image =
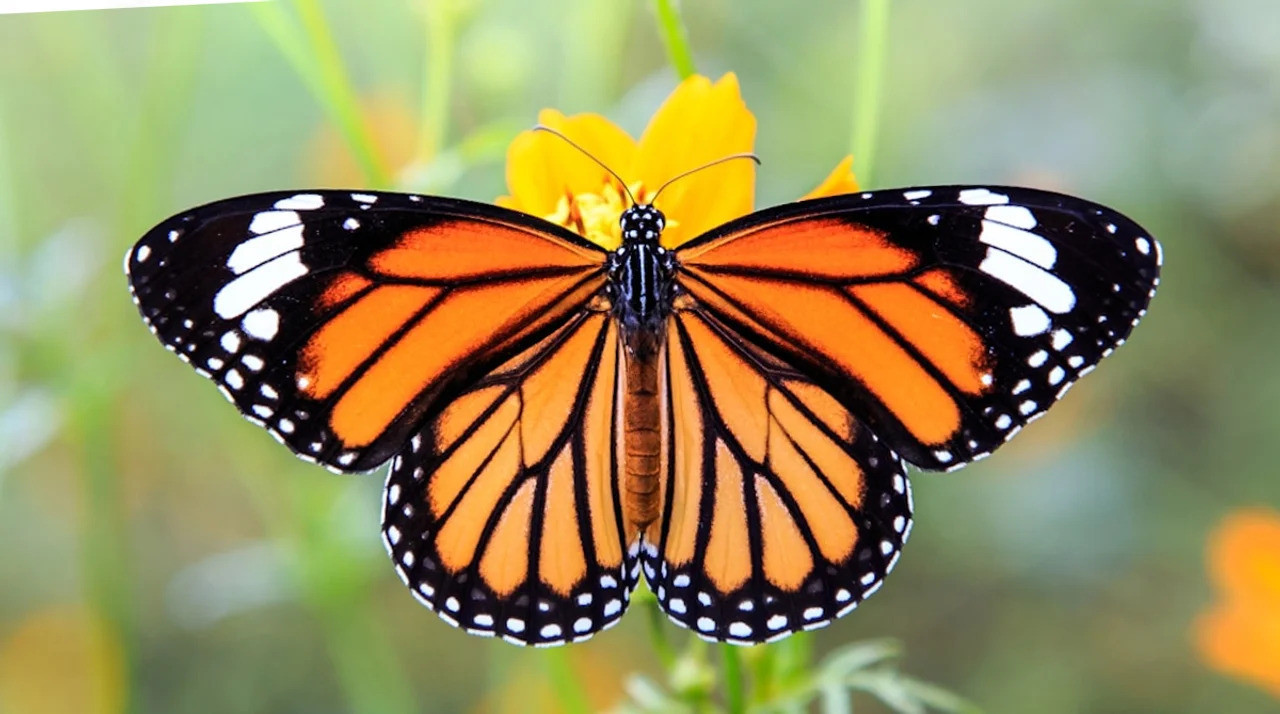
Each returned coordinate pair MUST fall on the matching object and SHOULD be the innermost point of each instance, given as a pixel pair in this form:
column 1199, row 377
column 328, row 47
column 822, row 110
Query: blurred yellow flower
column 328, row 158
column 1240, row 634
column 699, row 122
column 61, row 661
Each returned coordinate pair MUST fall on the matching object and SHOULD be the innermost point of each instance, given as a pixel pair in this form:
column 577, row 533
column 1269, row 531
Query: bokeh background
column 159, row 554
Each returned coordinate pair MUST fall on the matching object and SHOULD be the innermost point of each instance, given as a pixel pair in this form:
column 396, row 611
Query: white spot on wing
column 1029, row 320
column 262, row 324
column 271, row 221
column 1039, row 285
column 1016, row 216
column 1143, row 245
column 241, row 294
column 981, row 197
column 1061, row 338
column 1024, row 244
column 917, row 195
column 258, row 250
column 301, row 202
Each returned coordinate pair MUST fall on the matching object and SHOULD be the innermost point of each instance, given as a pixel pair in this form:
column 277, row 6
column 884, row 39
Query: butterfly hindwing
column 337, row 319
column 503, row 514
column 781, row 511
column 946, row 318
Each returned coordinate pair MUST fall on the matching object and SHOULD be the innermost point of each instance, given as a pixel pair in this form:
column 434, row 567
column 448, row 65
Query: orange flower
column 699, row 122
column 1240, row 635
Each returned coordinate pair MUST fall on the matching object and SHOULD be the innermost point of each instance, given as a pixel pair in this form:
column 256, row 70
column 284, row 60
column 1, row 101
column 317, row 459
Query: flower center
column 594, row 216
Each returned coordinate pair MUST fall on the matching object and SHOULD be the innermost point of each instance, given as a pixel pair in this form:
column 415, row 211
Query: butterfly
column 732, row 418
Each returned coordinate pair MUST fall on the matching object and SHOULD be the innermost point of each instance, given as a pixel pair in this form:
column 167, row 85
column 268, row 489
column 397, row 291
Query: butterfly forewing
column 338, row 320
column 944, row 318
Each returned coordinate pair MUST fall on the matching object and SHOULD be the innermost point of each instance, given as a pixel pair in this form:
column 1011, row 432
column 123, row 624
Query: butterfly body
column 730, row 419
column 641, row 285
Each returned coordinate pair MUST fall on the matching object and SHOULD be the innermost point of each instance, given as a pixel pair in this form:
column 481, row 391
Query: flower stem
column 675, row 37
column 734, row 688
column 314, row 56
column 869, row 85
column 658, row 634
column 565, row 683
column 104, row 542
column 440, row 21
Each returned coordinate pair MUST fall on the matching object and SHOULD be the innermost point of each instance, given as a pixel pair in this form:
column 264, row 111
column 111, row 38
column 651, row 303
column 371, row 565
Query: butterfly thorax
column 641, row 275
column 640, row 279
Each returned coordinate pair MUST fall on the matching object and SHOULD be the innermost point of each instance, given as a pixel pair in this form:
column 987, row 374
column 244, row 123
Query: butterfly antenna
column 570, row 142
column 718, row 161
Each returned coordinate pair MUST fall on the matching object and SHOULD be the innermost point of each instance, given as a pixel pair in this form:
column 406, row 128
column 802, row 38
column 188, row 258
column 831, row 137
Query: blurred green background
column 158, row 554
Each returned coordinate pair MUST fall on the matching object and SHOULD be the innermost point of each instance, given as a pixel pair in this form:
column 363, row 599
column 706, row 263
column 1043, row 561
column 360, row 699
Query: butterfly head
column 642, row 224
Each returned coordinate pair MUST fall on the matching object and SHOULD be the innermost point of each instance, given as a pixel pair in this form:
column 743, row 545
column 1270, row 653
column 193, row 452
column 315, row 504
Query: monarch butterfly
column 732, row 417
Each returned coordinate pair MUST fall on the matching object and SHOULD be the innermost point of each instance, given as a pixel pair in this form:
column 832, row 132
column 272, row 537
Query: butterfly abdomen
column 641, row 440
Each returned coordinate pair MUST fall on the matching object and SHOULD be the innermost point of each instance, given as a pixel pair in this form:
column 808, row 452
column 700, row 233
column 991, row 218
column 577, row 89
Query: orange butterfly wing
column 945, row 318
column 814, row 343
column 503, row 514
column 339, row 320
column 781, row 511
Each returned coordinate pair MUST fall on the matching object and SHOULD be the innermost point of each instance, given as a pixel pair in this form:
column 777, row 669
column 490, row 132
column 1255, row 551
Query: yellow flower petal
column 542, row 168
column 840, row 181
column 699, row 123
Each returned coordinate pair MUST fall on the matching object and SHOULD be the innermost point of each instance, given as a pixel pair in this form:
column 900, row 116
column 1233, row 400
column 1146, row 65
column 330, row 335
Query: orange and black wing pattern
column 339, row 321
column 781, row 510
column 945, row 318
column 503, row 514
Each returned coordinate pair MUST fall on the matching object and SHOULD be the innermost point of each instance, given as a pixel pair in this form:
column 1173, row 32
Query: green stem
column 565, row 683
column 658, row 634
column 339, row 96
column 869, row 85
column 437, row 78
column 313, row 54
column 104, row 540
column 734, row 687
column 675, row 37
